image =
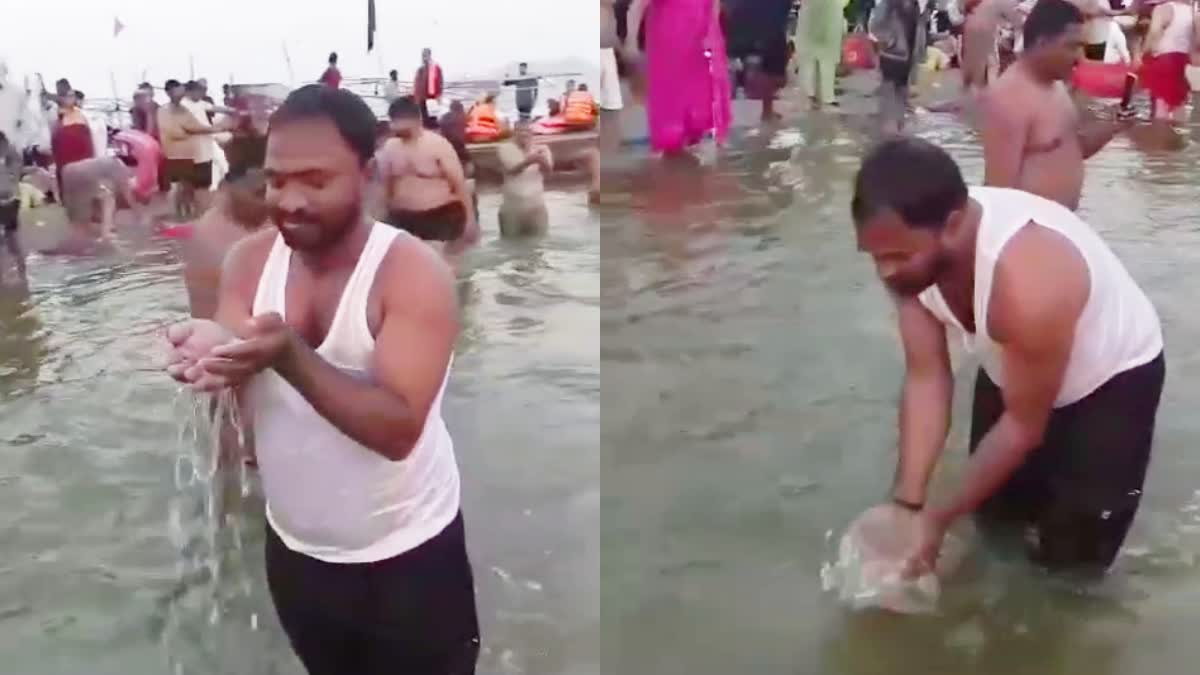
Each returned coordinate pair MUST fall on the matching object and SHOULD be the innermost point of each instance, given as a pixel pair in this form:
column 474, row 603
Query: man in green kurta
column 818, row 41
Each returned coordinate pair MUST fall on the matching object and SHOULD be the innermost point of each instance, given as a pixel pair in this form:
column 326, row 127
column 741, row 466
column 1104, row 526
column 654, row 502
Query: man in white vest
column 1071, row 350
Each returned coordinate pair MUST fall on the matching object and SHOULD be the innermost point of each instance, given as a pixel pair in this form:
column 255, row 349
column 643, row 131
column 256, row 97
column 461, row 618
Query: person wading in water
column 428, row 85
column 423, row 180
column 1032, row 135
column 345, row 331
column 1064, row 408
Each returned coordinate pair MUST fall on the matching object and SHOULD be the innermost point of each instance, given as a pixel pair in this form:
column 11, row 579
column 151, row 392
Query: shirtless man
column 1072, row 350
column 980, row 34
column 423, row 181
column 1032, row 135
column 237, row 212
column 523, row 207
column 347, row 330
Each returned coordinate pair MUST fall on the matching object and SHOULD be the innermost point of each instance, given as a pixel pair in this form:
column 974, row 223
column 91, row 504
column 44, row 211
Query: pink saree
column 687, row 74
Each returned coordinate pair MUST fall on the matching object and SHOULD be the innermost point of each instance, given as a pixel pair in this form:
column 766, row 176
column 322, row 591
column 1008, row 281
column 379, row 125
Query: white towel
column 1115, row 48
column 610, row 83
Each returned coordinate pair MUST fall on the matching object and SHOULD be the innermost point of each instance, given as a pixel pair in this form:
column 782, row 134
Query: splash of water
column 205, row 521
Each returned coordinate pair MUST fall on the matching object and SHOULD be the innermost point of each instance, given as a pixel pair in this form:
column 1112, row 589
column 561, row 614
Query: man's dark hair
column 332, row 57
column 171, row 84
column 393, row 74
column 404, row 108
column 914, row 178
column 522, row 65
column 582, row 87
column 146, row 85
column 350, row 114
column 191, row 86
column 1048, row 20
column 79, row 96
column 3, row 137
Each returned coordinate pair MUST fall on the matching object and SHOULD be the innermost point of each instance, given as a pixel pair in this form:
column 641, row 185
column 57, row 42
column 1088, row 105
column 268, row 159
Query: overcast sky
column 245, row 38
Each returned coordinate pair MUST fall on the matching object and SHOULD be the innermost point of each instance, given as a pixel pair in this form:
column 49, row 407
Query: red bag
column 857, row 52
column 1100, row 80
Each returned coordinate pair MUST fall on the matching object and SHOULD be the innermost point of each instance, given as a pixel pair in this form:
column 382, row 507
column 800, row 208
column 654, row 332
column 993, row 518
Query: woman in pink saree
column 687, row 71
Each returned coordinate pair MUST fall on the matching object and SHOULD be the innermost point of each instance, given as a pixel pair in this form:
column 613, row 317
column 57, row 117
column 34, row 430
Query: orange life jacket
column 482, row 123
column 580, row 108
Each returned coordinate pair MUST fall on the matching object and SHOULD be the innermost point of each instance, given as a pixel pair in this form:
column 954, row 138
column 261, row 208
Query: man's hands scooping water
column 208, row 357
column 929, row 531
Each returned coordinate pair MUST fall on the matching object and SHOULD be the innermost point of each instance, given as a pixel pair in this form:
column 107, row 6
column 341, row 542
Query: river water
column 94, row 579
column 751, row 372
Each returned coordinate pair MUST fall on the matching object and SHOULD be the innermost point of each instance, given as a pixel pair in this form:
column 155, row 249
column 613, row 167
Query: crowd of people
column 688, row 58
column 203, row 157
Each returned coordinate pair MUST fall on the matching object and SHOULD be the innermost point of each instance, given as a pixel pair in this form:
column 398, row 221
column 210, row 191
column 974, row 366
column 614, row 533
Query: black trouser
column 413, row 614
column 443, row 223
column 1094, row 52
column 1080, row 490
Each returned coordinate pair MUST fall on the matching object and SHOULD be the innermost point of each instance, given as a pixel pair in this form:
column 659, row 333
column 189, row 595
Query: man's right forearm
column 924, row 423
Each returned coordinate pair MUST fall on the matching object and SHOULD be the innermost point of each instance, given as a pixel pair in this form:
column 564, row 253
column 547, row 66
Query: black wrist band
column 903, row 503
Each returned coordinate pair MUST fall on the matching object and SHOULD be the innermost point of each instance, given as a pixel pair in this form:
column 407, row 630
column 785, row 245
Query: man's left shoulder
column 417, row 273
column 1041, row 274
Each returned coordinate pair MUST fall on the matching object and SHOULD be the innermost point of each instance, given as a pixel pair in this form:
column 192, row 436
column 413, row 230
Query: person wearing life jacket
column 581, row 109
column 428, row 85
column 483, row 123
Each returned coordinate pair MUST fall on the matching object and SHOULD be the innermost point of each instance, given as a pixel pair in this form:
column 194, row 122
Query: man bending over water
column 1032, row 136
column 92, row 190
column 1072, row 353
column 347, row 331
column 423, row 181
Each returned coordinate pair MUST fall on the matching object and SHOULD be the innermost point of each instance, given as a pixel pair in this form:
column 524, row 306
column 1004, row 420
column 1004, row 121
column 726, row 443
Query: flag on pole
column 370, row 25
column 117, row 26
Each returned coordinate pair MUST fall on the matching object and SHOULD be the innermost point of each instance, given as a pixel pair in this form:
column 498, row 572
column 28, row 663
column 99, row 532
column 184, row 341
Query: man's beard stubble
column 327, row 230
